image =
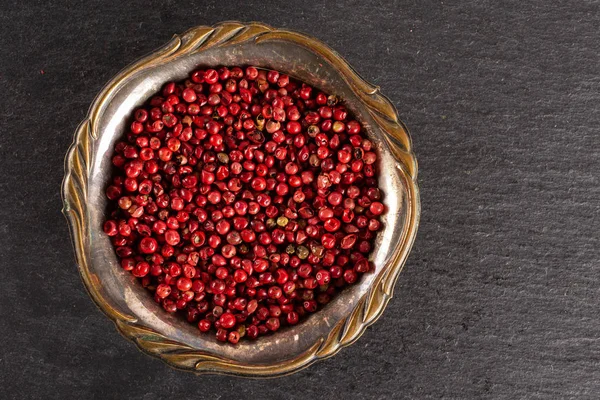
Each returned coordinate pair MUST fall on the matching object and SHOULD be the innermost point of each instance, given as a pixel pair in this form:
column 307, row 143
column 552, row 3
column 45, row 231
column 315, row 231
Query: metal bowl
column 122, row 298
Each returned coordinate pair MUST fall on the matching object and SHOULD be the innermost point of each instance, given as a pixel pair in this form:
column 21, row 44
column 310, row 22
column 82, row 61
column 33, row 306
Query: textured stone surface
column 499, row 298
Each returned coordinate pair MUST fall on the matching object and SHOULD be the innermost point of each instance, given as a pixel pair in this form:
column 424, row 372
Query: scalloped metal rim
column 179, row 355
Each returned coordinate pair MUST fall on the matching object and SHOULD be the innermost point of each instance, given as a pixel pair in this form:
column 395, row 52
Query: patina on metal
column 122, row 298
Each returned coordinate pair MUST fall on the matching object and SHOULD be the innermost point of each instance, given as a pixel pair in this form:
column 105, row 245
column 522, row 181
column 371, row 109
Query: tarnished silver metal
column 121, row 297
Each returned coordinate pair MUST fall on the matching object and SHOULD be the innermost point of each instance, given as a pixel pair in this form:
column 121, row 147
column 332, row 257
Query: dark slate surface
column 499, row 298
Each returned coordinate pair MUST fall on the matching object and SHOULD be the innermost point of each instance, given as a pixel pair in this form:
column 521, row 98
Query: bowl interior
column 125, row 293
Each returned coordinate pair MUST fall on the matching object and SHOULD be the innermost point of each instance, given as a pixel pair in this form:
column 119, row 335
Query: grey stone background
column 500, row 296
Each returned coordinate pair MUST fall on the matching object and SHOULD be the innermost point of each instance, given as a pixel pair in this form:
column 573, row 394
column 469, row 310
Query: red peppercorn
column 148, row 245
column 221, row 335
column 376, row 208
column 272, row 324
column 204, row 325
column 227, row 320
column 141, row 269
column 184, row 284
column 293, row 127
column 348, row 241
column 292, row 318
column 110, row 228
column 374, row 225
column 172, row 237
column 233, row 337
column 350, row 276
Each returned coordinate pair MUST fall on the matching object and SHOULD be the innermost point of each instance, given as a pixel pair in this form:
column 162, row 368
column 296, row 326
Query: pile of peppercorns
column 243, row 199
